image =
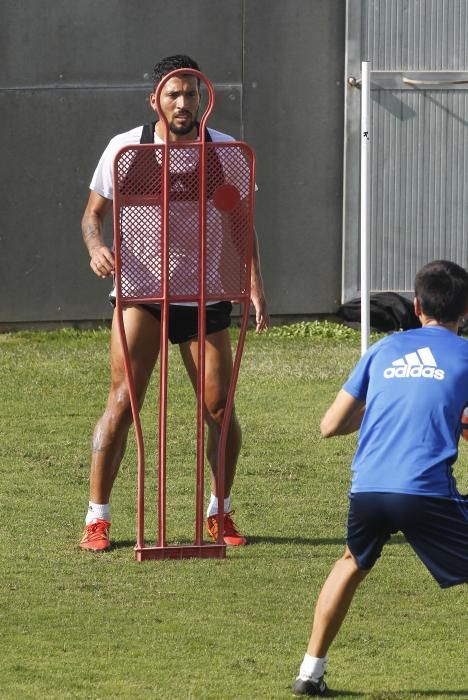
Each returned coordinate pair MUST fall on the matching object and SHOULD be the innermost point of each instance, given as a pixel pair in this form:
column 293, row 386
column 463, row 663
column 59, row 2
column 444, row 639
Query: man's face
column 180, row 100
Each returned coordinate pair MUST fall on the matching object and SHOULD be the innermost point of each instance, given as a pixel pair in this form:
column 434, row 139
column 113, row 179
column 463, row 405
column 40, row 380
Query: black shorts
column 183, row 320
column 436, row 528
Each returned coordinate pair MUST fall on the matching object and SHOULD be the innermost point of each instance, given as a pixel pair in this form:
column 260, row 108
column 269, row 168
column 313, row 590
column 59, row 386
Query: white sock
column 98, row 510
column 312, row 668
column 213, row 506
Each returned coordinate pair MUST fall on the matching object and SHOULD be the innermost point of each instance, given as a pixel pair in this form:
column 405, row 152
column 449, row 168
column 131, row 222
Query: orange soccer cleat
column 232, row 536
column 96, row 536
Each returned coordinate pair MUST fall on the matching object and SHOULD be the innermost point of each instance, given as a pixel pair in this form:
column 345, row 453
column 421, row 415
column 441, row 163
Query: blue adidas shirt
column 415, row 386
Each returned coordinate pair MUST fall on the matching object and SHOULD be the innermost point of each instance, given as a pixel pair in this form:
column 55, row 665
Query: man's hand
column 262, row 319
column 102, row 261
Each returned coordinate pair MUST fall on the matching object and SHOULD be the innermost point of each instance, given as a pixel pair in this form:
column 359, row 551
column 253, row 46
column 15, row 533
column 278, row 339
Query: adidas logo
column 415, row 364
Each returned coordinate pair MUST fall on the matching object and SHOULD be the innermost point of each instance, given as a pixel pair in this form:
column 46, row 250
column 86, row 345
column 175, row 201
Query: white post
column 365, row 190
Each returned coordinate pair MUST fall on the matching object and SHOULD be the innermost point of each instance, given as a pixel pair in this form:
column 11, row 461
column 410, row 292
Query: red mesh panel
column 138, row 196
column 183, row 232
column 228, row 229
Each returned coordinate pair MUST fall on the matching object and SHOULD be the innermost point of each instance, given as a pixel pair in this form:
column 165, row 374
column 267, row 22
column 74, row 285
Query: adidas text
column 420, row 363
column 415, row 371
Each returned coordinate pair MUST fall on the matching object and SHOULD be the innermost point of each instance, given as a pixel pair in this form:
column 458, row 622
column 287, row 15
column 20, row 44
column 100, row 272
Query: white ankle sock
column 213, row 506
column 312, row 667
column 98, row 510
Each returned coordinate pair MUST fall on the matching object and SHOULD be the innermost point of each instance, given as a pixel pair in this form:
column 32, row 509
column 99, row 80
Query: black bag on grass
column 389, row 311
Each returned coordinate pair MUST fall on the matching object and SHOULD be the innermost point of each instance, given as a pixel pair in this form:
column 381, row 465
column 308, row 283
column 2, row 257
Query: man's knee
column 118, row 412
column 351, row 563
column 215, row 411
column 215, row 407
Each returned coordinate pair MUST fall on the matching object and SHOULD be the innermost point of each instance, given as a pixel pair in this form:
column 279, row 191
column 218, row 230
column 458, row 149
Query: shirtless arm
column 102, row 258
column 262, row 320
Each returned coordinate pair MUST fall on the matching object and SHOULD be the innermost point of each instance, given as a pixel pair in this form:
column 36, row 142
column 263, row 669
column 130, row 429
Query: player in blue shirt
column 407, row 395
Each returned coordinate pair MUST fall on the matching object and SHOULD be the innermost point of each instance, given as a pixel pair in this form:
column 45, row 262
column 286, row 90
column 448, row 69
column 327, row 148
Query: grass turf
column 78, row 625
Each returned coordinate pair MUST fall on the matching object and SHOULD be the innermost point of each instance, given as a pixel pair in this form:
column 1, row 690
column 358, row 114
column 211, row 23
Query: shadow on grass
column 268, row 539
column 130, row 544
column 397, row 539
column 344, row 694
column 123, row 544
column 401, row 694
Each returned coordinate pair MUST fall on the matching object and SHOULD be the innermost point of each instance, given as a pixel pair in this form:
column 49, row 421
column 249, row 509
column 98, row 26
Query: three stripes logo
column 415, row 364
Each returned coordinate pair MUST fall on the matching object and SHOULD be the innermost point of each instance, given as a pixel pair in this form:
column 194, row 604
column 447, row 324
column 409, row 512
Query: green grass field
column 78, row 625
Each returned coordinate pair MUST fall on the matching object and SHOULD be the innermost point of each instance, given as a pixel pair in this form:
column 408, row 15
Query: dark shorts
column 436, row 528
column 183, row 320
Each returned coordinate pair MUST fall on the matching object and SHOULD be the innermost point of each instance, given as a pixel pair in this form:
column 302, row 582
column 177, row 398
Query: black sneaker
column 309, row 687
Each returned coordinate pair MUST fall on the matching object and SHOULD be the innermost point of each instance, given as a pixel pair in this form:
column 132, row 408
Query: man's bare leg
column 330, row 611
column 218, row 372
column 110, row 435
column 333, row 603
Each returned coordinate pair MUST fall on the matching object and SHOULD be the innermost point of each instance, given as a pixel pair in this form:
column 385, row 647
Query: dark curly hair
column 170, row 63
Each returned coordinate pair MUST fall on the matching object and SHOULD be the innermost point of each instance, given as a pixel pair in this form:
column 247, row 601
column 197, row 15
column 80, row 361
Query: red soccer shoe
column 96, row 536
column 232, row 536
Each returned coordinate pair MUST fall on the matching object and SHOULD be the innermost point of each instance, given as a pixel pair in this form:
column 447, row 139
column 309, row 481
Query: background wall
column 418, row 208
column 74, row 74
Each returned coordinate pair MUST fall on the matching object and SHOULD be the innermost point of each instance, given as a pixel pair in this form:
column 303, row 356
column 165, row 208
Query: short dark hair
column 170, row 63
column 442, row 289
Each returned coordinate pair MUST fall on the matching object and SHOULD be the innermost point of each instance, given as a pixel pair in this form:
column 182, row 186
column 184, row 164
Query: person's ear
column 417, row 307
column 152, row 101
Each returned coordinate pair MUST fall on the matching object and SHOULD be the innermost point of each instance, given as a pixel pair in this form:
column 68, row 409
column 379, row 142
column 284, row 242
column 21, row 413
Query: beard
column 182, row 130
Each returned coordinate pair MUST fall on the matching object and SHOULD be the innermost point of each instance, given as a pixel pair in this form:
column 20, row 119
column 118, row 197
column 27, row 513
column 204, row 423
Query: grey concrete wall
column 293, row 107
column 74, row 74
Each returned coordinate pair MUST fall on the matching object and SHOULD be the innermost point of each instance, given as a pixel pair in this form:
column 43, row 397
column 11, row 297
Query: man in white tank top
column 180, row 101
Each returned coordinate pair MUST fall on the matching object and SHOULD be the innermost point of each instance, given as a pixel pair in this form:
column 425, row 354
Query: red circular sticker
column 226, row 197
